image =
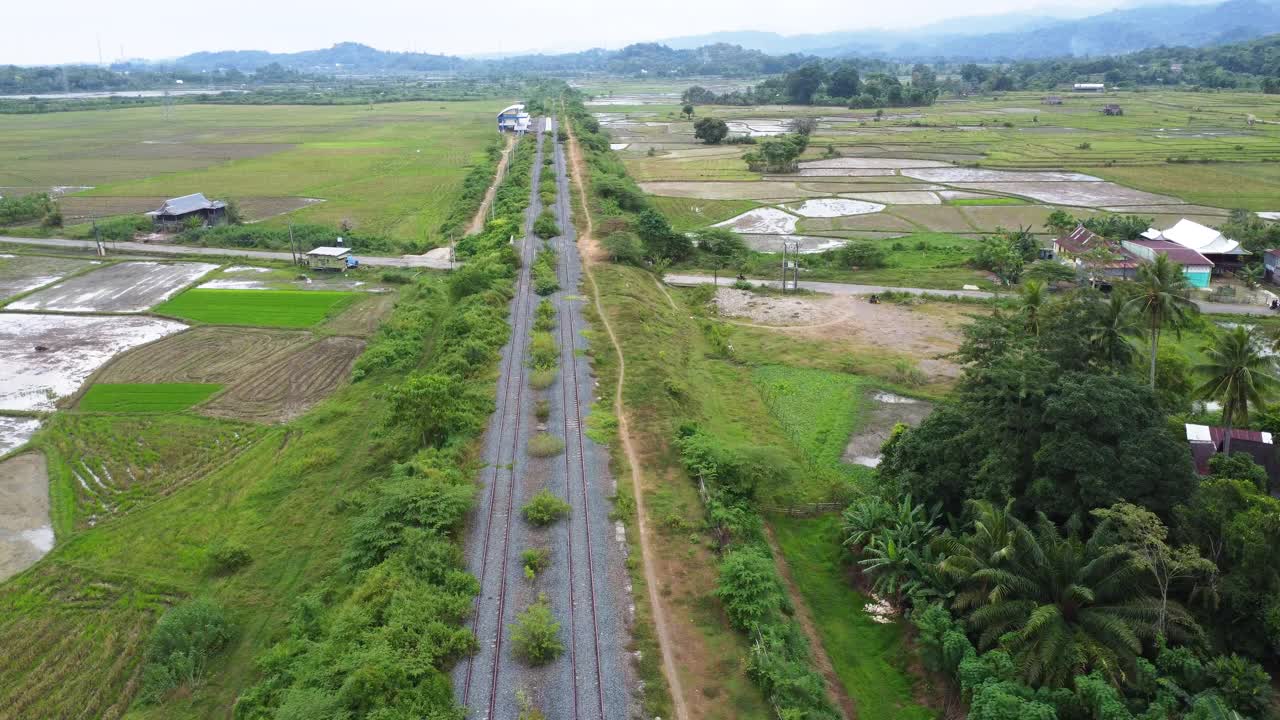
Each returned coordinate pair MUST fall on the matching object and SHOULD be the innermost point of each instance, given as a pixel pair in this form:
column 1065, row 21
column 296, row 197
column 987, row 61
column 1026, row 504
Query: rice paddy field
column 391, row 170
column 271, row 308
column 964, row 167
column 145, row 398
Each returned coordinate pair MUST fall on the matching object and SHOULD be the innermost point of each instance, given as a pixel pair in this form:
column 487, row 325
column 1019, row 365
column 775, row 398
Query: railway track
column 575, row 463
column 501, row 483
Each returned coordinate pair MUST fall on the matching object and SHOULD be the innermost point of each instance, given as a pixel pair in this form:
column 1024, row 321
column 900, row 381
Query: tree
column 660, row 240
column 844, row 82
column 803, row 83
column 1237, row 374
column 1050, row 271
column 1030, row 302
column 687, row 110
column 710, row 130
column 433, row 405
column 1060, row 222
column 1161, row 300
column 895, row 548
column 749, row 588
column 233, row 214
column 623, row 247
column 1110, row 336
column 1062, row 608
column 1140, row 533
column 804, row 125
column 721, row 242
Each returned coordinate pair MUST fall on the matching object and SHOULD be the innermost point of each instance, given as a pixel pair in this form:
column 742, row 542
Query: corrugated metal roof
column 189, row 204
column 1175, row 252
column 329, row 251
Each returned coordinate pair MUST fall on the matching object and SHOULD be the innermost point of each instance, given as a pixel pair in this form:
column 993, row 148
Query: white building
column 513, row 119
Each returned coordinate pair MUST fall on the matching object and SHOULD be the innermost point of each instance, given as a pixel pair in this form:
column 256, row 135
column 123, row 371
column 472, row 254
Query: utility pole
column 292, row 252
column 784, row 266
column 793, row 247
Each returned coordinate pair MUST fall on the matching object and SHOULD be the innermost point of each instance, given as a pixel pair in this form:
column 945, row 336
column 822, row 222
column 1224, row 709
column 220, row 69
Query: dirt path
column 590, row 254
column 835, row 689
column 477, row 222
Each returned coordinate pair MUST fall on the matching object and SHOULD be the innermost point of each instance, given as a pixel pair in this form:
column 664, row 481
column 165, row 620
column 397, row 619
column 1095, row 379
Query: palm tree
column 1030, row 304
column 1161, row 301
column 1237, row 374
column 1110, row 338
column 989, row 546
column 1062, row 607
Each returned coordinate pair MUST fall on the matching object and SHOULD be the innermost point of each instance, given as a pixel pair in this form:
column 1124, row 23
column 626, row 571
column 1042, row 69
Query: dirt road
column 134, row 248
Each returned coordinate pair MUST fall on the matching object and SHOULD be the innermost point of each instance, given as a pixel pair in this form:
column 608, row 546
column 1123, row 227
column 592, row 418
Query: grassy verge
column 868, row 655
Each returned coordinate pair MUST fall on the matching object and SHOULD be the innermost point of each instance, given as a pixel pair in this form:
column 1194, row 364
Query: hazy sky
column 70, row 30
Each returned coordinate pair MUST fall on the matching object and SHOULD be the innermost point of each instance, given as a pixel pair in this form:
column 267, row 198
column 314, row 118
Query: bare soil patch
column 762, row 221
column 1088, row 194
column 923, row 333
column 364, row 316
column 26, row 532
column 287, row 389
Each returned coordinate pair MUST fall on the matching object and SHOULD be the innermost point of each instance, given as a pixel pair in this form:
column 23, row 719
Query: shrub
column 228, row 557
column 749, row 587
column 537, row 634
column 545, row 226
column 542, row 379
column 25, row 208
column 544, row 508
column 862, row 255
column 544, row 319
column 545, row 445
column 543, row 351
column 545, row 281
column 395, row 277
column 535, row 560
column 624, row 247
column 542, row 410
column 180, row 646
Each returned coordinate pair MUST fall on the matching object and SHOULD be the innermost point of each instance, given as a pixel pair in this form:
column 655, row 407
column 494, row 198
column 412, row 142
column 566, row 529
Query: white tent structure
column 1194, row 236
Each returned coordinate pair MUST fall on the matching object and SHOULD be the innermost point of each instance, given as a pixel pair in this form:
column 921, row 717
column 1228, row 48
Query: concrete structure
column 1271, row 264
column 513, row 118
column 175, row 213
column 1195, row 266
column 330, row 258
column 1089, row 87
column 1093, row 254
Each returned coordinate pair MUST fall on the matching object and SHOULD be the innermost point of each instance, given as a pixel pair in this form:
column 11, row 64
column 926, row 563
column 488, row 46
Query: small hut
column 1112, row 109
column 176, row 212
column 1051, row 100
column 330, row 258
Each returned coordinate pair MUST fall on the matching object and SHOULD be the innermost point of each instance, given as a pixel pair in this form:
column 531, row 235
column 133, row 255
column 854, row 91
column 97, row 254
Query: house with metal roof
column 176, row 212
column 1226, row 254
column 1195, row 266
column 1206, row 441
column 1096, row 256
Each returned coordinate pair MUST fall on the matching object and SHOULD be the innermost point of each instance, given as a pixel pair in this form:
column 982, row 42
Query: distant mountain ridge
column 1022, row 36
column 1013, row 36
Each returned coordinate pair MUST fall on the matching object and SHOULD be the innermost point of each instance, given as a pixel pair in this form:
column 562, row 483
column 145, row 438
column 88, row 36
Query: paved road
column 854, row 289
column 435, row 261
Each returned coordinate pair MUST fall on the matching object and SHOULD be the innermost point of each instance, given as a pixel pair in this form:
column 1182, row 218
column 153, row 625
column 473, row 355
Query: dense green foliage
column 537, row 634
column 544, row 508
column 779, row 154
column 545, row 277
column 836, row 82
column 25, row 208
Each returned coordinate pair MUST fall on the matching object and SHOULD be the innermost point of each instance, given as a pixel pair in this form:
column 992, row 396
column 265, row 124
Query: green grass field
column 142, row 397
column 817, row 409
column 687, row 214
column 868, row 656
column 267, row 308
column 392, row 169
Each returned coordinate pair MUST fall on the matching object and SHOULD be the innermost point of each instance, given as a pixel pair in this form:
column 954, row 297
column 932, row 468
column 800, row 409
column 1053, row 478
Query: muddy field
column 886, row 410
column 24, row 273
column 26, row 532
column 363, row 318
column 923, row 333
column 16, row 431
column 44, row 357
column 83, row 208
column 124, row 287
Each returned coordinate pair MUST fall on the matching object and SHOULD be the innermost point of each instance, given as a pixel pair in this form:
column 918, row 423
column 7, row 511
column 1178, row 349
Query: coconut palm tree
column 1110, row 337
column 1062, row 607
column 1161, row 301
column 1032, row 300
column 1237, row 374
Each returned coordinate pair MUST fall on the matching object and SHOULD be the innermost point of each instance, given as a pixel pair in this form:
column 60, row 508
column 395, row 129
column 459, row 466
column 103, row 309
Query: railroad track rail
column 575, row 463
column 502, row 479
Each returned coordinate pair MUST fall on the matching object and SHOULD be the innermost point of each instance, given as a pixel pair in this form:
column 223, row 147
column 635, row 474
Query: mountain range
column 1022, row 36
column 1012, row 36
